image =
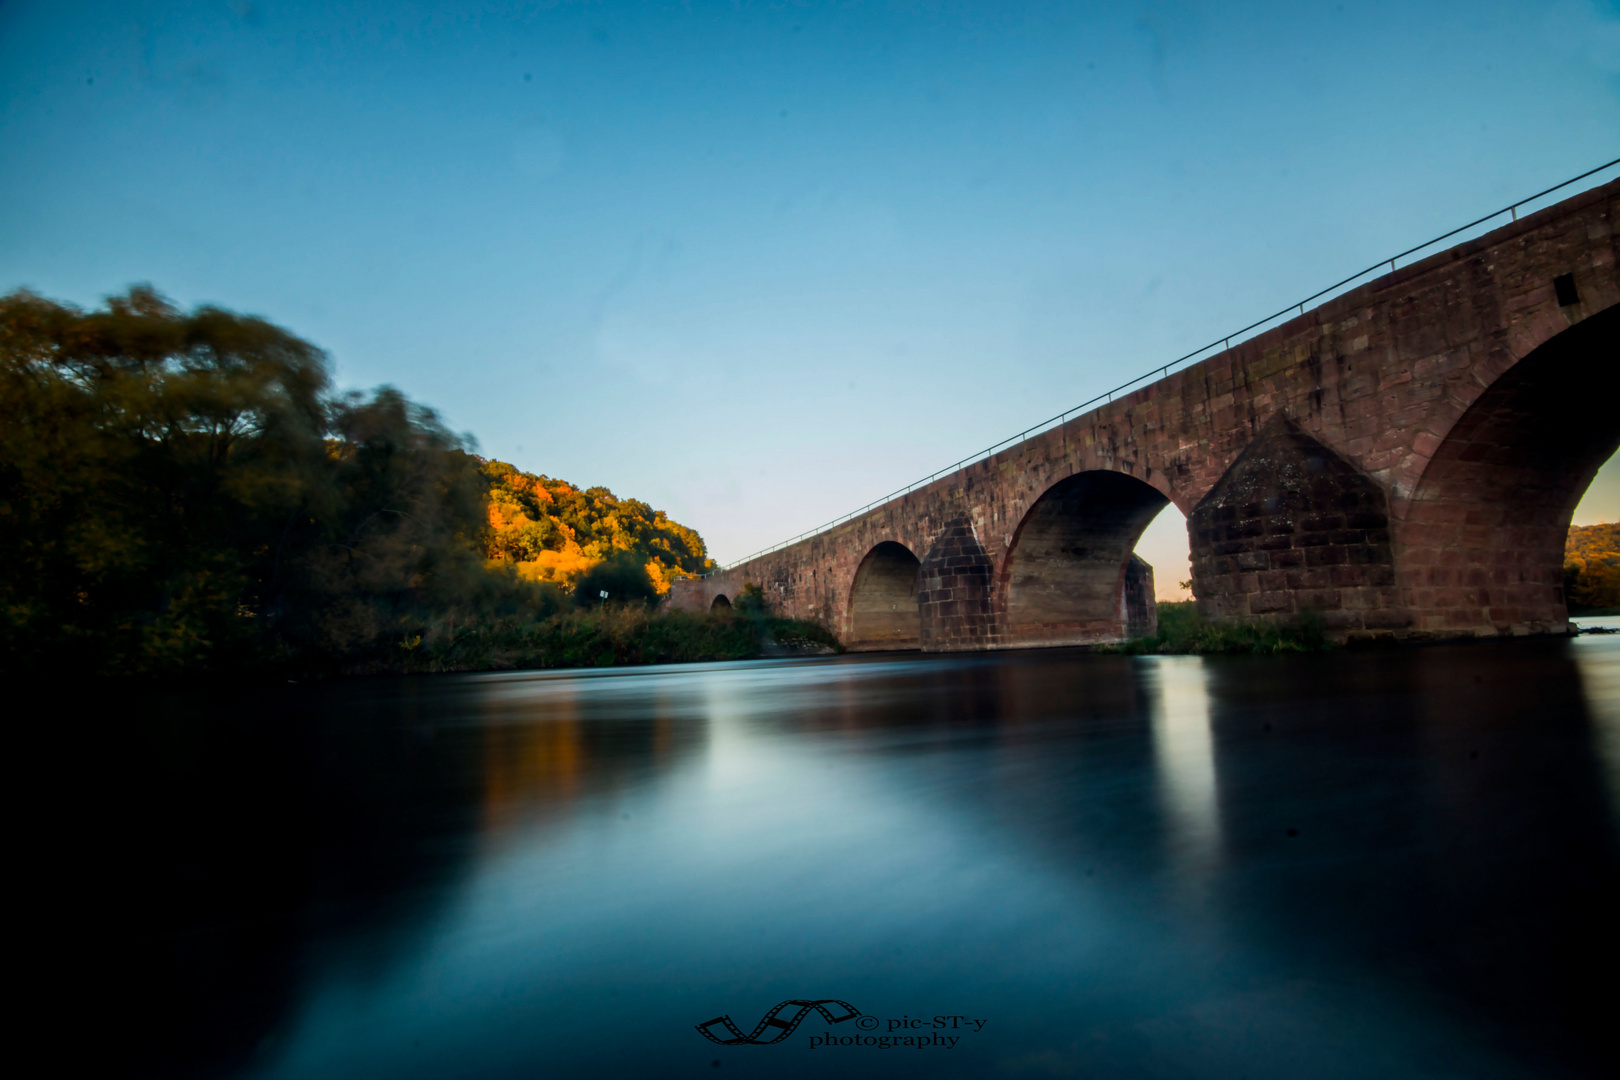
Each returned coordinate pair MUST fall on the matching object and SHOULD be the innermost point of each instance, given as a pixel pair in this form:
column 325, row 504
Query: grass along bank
column 1183, row 630
column 609, row 636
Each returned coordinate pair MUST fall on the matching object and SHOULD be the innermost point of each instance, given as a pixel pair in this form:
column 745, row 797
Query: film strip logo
column 778, row 1021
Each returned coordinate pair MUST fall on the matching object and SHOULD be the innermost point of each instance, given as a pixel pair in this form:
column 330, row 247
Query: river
column 1391, row 863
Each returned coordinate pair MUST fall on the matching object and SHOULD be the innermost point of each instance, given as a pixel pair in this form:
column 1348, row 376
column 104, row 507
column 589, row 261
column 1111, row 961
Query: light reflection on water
column 1393, row 864
column 1185, row 759
column 1601, row 682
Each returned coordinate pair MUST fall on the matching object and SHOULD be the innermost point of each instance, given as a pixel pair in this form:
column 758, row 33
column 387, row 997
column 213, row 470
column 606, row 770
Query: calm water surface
column 1392, row 864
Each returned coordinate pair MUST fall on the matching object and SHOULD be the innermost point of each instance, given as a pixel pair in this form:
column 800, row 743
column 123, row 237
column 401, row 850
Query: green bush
column 608, row 636
column 1183, row 630
column 621, row 578
column 751, row 601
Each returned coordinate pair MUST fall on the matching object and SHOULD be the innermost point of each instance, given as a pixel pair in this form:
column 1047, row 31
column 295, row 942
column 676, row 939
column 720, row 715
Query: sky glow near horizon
column 759, row 264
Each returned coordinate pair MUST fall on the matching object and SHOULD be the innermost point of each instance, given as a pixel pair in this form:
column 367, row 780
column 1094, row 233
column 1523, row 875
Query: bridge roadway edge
column 1378, row 377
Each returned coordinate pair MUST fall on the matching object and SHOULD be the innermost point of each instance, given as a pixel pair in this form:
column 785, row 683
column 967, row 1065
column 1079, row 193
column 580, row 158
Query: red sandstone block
column 1409, row 580
column 1316, row 578
column 1345, row 576
column 1426, row 443
column 1324, row 556
column 1266, row 603
column 1414, row 556
column 1360, row 599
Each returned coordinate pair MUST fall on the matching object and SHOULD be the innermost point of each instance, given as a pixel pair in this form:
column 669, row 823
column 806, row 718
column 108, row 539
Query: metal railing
column 1164, row 369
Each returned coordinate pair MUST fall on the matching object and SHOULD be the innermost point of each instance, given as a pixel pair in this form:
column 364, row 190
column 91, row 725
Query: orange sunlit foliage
column 553, row 531
column 1592, row 567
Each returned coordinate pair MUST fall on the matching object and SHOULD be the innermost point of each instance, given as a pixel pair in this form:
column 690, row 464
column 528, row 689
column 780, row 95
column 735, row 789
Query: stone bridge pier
column 1402, row 461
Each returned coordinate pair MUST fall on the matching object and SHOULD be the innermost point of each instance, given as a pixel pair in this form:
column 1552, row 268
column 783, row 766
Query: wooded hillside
column 1592, row 567
column 552, row 531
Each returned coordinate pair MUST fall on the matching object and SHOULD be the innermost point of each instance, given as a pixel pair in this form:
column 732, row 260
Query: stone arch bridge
column 1403, row 459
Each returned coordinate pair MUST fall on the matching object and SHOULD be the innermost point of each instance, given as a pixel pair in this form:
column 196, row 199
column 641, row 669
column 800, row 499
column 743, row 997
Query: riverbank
column 630, row 635
column 1183, row 631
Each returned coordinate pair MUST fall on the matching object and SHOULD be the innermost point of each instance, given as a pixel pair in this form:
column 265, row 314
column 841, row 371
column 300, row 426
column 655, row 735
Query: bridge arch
column 720, row 603
column 1481, row 542
column 883, row 607
column 1069, row 576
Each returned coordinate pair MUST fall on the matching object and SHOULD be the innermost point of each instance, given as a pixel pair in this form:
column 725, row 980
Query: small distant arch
column 883, row 609
column 720, row 603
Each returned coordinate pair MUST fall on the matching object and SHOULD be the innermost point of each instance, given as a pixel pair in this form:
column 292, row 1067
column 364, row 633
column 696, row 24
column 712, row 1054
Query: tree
column 620, row 578
column 148, row 461
column 553, row 531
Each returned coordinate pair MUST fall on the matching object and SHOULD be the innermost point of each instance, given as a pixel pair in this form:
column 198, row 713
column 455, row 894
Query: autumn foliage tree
column 549, row 530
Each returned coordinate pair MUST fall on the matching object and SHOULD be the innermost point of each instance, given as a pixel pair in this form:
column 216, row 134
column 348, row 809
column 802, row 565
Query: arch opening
column 1482, row 540
column 1166, row 546
column 1071, row 577
column 883, row 607
column 720, row 603
column 1592, row 552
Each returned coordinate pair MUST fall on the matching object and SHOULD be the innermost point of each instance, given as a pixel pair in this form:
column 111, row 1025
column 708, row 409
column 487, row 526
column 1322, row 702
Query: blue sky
column 758, row 263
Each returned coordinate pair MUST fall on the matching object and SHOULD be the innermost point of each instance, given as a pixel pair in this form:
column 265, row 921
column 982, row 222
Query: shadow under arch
column 720, row 603
column 883, row 610
column 1070, row 577
column 1481, row 542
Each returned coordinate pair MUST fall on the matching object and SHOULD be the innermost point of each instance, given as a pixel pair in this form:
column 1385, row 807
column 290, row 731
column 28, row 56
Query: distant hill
column 554, row 531
column 1592, row 568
